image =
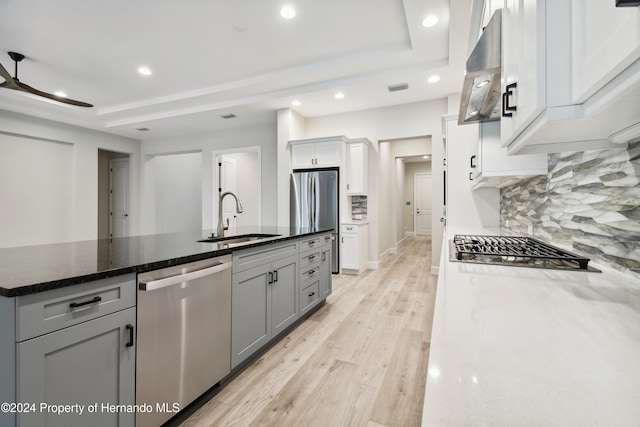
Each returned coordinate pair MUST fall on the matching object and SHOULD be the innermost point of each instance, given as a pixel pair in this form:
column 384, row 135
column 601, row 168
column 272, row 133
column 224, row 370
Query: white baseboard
column 409, row 233
column 435, row 270
column 373, row 265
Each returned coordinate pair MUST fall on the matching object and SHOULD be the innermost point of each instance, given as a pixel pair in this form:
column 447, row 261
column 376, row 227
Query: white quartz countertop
column 515, row 346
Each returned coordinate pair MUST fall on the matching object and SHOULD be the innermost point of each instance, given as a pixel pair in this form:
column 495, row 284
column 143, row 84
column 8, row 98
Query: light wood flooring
column 360, row 360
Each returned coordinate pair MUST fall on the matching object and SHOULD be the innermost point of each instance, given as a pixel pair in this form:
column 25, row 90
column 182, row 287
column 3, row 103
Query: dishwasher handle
column 175, row 280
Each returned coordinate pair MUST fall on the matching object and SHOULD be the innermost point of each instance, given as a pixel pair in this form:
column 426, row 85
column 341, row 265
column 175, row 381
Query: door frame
column 210, row 200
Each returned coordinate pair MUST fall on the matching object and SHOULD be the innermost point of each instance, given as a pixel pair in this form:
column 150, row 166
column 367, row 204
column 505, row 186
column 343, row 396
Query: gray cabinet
column 76, row 346
column 264, row 301
column 93, row 362
column 325, row 272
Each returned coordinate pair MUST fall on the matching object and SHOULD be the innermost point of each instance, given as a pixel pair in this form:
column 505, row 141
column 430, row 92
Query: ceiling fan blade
column 10, row 82
column 27, row 88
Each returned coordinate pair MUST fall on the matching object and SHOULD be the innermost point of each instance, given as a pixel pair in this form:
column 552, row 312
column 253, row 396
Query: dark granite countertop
column 30, row 269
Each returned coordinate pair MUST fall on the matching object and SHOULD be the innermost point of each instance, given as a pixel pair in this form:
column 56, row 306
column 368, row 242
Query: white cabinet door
column 357, row 169
column 350, row 248
column 605, row 40
column 302, row 156
column 315, row 155
column 523, row 65
column 327, row 154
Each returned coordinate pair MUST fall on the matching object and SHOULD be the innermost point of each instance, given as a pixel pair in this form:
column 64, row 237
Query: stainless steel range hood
column 480, row 101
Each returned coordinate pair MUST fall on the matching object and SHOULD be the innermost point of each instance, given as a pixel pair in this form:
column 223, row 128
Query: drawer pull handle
column 311, row 243
column 312, row 257
column 275, row 276
column 80, row 304
column 311, row 272
column 270, row 281
column 312, row 294
column 130, row 329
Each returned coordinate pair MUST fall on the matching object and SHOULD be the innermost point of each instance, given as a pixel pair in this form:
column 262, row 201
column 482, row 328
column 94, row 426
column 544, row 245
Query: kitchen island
column 30, row 269
column 516, row 346
column 70, row 317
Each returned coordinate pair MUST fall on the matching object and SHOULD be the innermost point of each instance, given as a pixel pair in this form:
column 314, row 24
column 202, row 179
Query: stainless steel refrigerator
column 314, row 204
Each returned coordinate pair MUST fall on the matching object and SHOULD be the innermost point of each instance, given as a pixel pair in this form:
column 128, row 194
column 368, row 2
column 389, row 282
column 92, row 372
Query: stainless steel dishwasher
column 184, row 336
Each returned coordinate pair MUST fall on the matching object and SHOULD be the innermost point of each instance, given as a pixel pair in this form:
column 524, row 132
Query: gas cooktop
column 514, row 251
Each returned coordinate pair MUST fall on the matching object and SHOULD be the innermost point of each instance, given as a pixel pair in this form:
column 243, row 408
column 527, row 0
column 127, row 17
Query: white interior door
column 422, row 189
column 228, row 181
column 118, row 197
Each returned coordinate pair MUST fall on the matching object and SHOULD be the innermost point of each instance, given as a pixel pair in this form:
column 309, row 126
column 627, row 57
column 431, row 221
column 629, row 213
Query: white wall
column 261, row 138
column 177, row 180
column 49, row 180
column 388, row 123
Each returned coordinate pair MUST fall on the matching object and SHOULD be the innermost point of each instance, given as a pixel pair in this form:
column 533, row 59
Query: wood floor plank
column 359, row 360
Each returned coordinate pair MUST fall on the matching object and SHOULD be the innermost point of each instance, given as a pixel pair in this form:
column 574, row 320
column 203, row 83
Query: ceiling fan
column 15, row 84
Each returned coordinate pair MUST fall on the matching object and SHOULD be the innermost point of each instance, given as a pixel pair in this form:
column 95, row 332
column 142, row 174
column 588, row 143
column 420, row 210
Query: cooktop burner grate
column 513, row 250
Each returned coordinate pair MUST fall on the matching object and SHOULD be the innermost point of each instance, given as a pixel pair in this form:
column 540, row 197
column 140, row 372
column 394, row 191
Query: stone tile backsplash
column 589, row 200
column 359, row 207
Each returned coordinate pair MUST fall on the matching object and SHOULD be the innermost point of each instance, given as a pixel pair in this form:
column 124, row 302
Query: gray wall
column 589, row 200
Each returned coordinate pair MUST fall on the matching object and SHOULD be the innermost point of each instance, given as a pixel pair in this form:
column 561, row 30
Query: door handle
column 130, row 329
column 95, row 300
column 275, row 276
column 473, row 163
column 470, row 177
column 508, row 91
column 174, row 280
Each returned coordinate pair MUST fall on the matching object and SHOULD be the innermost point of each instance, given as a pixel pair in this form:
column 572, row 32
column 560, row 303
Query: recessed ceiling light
column 433, row 79
column 296, row 103
column 430, row 21
column 287, row 12
column 339, row 95
column 473, row 113
column 145, row 71
column 482, row 83
column 426, row 157
column 60, row 93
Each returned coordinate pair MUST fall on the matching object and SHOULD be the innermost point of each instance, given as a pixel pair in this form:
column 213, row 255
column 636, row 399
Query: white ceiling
column 226, row 56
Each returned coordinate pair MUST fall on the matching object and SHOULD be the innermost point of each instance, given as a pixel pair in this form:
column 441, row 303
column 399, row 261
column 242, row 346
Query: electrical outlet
column 530, row 230
column 506, row 223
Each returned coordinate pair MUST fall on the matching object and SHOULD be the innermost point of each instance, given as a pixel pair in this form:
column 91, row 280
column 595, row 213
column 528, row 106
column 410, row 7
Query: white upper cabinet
column 605, row 40
column 357, row 167
column 491, row 166
column 570, row 75
column 316, row 153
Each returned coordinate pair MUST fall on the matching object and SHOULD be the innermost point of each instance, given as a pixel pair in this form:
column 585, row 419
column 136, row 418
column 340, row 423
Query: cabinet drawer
column 326, row 240
column 310, row 258
column 309, row 273
column 50, row 311
column 253, row 257
column 349, row 228
column 309, row 243
column 309, row 296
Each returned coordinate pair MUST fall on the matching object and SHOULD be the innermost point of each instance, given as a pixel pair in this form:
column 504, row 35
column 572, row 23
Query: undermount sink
column 238, row 239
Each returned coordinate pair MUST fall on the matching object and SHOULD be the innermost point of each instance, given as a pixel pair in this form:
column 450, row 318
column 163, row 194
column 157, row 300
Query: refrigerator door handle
column 314, row 209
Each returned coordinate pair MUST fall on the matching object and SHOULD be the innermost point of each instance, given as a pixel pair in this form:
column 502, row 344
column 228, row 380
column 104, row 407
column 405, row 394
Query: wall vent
column 228, row 116
column 396, row 88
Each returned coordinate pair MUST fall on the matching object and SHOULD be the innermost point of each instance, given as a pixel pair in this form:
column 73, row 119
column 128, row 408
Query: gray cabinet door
column 250, row 313
column 325, row 273
column 284, row 294
column 84, row 364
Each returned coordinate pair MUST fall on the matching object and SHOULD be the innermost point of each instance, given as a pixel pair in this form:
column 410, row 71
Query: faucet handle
column 226, row 227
